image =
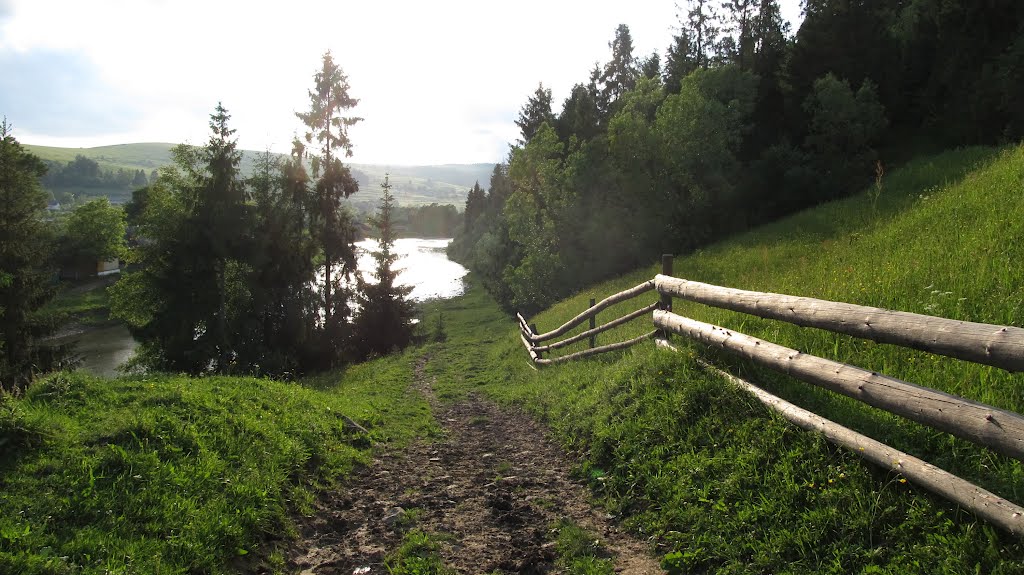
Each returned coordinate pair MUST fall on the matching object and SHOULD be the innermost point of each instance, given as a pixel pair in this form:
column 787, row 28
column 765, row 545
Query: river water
column 423, row 264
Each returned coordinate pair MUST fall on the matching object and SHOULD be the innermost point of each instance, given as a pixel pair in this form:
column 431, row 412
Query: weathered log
column 995, row 345
column 599, row 329
column 523, row 324
column 597, row 350
column 997, row 429
column 529, row 348
column 608, row 301
column 982, row 503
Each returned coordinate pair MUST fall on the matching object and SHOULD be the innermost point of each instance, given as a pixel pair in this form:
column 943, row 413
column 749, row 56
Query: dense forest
column 741, row 122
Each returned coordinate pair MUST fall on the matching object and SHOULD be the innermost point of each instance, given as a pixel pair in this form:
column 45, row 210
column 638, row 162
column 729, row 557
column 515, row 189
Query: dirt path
column 492, row 487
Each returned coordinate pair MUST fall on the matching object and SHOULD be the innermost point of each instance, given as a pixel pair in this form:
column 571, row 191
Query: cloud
column 61, row 94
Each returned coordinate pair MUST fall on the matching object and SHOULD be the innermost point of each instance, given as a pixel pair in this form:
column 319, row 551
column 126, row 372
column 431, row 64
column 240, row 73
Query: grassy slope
column 728, row 487
column 175, row 475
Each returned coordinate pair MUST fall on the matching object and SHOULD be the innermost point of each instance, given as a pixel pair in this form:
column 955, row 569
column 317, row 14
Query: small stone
column 392, row 516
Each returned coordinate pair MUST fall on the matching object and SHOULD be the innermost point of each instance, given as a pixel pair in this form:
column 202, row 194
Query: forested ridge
column 743, row 121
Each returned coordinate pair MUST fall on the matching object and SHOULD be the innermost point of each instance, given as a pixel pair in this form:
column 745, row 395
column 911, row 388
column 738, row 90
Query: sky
column 439, row 82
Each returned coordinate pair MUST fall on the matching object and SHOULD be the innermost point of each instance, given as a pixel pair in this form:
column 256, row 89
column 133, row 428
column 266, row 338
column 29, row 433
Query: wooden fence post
column 533, row 328
column 666, row 270
column 666, row 300
column 593, row 323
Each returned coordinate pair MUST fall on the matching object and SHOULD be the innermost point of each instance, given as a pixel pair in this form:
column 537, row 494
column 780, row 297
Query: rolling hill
column 412, row 185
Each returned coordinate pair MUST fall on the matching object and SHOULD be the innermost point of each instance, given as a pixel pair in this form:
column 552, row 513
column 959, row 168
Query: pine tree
column 621, row 72
column 221, row 213
column 679, row 62
column 475, row 202
column 385, row 317
column 331, row 225
column 26, row 249
column 535, row 112
column 651, row 66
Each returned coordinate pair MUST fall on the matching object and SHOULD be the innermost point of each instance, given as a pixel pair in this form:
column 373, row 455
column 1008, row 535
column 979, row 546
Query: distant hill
column 412, row 185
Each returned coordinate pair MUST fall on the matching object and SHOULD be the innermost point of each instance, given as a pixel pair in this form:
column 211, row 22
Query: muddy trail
column 490, row 488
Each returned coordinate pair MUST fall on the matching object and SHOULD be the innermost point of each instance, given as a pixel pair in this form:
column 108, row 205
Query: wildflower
column 903, row 480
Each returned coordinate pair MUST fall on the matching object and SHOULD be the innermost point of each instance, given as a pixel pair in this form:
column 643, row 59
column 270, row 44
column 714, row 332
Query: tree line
column 230, row 274
column 741, row 122
column 84, row 172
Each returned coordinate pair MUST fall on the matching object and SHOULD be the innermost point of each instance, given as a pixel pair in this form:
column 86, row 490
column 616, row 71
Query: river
column 423, row 264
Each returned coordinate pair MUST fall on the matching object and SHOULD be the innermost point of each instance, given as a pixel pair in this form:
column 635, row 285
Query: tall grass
column 171, row 474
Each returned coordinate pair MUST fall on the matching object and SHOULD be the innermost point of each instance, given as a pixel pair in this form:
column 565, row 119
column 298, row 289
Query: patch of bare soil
column 490, row 490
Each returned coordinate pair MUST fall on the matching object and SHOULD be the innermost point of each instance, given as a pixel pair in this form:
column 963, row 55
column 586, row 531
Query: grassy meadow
column 726, row 486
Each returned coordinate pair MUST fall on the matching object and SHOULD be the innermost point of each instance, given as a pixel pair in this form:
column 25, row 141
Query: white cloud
column 438, row 82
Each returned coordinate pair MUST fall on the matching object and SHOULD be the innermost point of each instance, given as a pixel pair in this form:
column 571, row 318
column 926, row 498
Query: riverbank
column 101, row 343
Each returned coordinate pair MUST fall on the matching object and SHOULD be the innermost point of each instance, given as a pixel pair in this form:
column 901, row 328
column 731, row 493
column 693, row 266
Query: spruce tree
column 26, row 274
column 385, row 317
column 535, row 112
column 620, row 74
column 331, row 224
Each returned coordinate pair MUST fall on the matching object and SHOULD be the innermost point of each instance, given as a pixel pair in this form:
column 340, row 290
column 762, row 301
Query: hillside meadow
column 727, row 487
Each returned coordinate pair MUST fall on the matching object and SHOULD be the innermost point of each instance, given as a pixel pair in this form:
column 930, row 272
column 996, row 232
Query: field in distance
column 412, row 185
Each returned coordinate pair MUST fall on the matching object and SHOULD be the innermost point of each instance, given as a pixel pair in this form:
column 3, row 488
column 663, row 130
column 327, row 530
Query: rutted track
column 489, row 489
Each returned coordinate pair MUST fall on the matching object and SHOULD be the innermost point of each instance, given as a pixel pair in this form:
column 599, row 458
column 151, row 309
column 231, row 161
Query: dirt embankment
column 490, row 490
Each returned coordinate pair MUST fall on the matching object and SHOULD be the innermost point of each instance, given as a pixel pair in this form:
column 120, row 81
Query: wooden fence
column 999, row 346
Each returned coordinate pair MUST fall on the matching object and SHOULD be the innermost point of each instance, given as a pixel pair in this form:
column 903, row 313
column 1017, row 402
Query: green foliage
column 194, row 222
column 26, row 267
column 843, row 128
column 169, row 474
column 94, row 232
column 533, row 213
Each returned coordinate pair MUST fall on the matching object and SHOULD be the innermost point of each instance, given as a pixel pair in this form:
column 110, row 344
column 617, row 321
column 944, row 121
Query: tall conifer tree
column 385, row 316
column 331, row 224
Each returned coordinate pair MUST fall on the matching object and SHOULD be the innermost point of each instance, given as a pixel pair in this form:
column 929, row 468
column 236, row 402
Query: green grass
column 169, row 474
column 579, row 551
column 725, row 485
column 417, row 555
column 90, row 307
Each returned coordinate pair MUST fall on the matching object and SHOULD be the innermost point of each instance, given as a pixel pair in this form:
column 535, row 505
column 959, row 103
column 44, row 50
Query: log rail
column 993, row 345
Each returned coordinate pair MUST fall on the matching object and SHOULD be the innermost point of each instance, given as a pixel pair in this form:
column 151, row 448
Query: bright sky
column 438, row 82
